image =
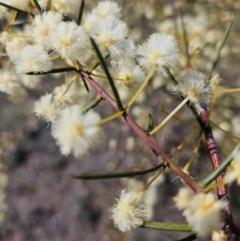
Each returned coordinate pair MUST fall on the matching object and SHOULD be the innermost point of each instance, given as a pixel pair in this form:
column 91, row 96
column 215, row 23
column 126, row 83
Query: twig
column 109, row 175
column 167, row 226
column 53, row 71
column 215, row 62
column 142, row 134
column 93, row 104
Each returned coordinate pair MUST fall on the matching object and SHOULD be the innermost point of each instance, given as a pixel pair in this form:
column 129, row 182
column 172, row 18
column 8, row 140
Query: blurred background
column 40, row 202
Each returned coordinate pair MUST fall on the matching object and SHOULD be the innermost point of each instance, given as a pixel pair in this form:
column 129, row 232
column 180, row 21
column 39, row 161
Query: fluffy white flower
column 110, row 34
column 160, row 49
column 202, row 211
column 33, row 58
column 43, row 25
column 8, row 81
column 70, row 40
column 130, row 75
column 46, row 108
column 106, row 9
column 195, row 86
column 128, row 213
column 77, row 133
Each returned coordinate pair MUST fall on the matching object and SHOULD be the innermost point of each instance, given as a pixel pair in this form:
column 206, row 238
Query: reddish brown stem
column 216, row 161
column 213, row 152
column 159, row 153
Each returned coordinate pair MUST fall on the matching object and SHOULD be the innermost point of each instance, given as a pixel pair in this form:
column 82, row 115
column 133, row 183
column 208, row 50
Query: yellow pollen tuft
column 75, row 130
column 106, row 39
column 6, row 80
column 206, row 206
column 43, row 31
column 154, row 56
column 65, row 41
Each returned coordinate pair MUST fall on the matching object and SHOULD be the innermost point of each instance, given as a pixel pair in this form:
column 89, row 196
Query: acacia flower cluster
column 160, row 49
column 202, row 211
column 46, row 108
column 196, row 87
column 51, row 37
column 42, row 27
column 77, row 133
column 74, row 131
column 128, row 213
column 50, row 34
